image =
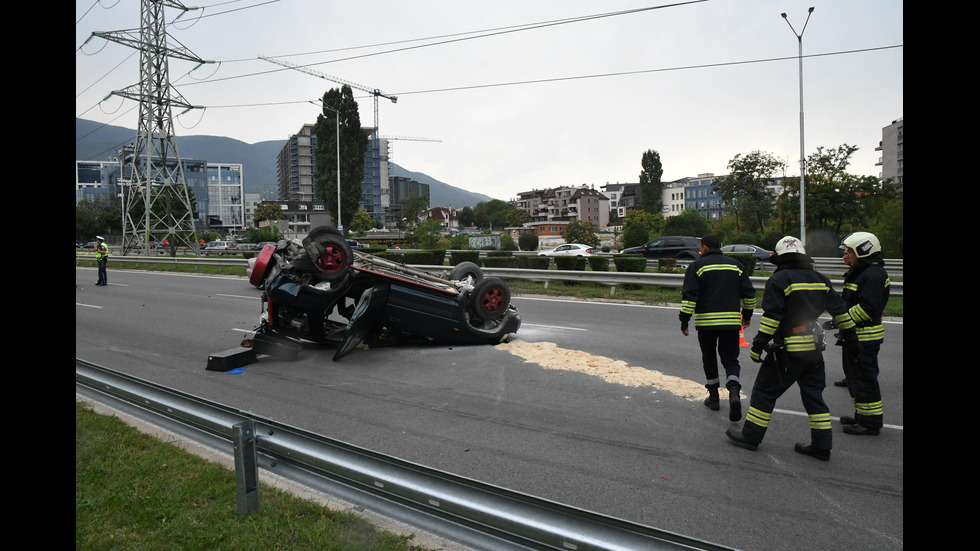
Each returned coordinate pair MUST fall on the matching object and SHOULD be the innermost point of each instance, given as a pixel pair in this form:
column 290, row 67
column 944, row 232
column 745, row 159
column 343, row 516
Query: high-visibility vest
column 101, row 251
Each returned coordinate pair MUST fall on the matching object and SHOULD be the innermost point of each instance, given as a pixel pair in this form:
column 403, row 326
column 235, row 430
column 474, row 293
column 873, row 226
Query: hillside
column 95, row 142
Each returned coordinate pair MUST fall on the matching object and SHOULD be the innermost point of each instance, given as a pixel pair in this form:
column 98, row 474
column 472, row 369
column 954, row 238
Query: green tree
column 517, row 217
column 263, row 233
column 428, row 233
column 414, row 209
column 889, row 227
column 353, row 146
column 651, row 188
column 689, row 222
column 492, row 214
column 267, row 211
column 581, row 231
column 744, row 190
column 639, row 226
column 837, row 199
column 466, row 217
column 361, row 221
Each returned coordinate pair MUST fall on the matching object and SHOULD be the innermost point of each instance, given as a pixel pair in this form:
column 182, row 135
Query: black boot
column 861, row 430
column 712, row 400
column 739, row 439
column 808, row 449
column 734, row 403
column 847, row 420
column 842, row 382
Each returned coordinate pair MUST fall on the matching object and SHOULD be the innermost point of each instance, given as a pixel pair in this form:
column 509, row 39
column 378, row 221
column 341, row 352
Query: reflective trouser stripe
column 820, row 421
column 868, row 409
column 758, row 417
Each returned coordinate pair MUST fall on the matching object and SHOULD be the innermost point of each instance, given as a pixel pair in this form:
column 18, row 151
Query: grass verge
column 134, row 491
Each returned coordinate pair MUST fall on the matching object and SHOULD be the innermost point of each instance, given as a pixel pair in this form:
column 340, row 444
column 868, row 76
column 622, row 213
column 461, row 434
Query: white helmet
column 864, row 244
column 788, row 245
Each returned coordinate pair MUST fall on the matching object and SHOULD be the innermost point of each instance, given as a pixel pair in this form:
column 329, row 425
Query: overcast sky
column 526, row 94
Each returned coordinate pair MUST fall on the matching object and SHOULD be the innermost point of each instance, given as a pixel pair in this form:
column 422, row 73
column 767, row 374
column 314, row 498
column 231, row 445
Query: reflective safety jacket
column 101, row 251
column 717, row 292
column 794, row 298
column 866, row 291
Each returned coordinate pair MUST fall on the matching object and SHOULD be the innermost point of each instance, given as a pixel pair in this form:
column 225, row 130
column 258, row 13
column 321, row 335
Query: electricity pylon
column 156, row 205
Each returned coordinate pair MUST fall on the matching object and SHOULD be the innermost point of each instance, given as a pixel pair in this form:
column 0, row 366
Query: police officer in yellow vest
column 102, row 257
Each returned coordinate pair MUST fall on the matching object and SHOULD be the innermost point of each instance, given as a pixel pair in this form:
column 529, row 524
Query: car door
column 655, row 248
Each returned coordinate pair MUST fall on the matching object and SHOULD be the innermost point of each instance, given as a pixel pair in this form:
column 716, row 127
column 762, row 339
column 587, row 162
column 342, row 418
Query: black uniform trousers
column 724, row 343
column 862, row 383
column 806, row 369
column 103, row 279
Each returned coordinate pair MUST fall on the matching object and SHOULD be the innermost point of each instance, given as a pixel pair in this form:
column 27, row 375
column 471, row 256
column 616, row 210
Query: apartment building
column 891, row 146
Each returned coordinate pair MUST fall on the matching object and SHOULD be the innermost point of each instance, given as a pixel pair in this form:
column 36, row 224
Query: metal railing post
column 246, row 467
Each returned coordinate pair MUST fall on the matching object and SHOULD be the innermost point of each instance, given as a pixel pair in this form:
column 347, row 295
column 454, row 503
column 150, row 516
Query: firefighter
column 866, row 291
column 719, row 295
column 795, row 295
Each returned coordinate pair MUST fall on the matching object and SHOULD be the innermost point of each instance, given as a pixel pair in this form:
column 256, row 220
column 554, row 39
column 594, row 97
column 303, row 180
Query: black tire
column 330, row 252
column 490, row 298
column 319, row 231
column 465, row 270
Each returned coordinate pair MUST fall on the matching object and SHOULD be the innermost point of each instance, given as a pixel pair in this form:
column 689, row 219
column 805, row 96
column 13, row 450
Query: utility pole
column 799, row 38
column 155, row 201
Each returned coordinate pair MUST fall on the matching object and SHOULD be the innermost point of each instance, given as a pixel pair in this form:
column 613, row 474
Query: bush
column 598, row 263
column 455, row 257
column 630, row 263
column 533, row 262
column 500, row 262
column 528, row 241
column 435, row 257
column 747, row 259
column 667, row 265
column 393, row 256
column 570, row 263
column 500, row 253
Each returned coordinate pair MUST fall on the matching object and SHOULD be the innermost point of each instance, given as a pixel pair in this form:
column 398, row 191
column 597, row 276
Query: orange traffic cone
column 742, row 343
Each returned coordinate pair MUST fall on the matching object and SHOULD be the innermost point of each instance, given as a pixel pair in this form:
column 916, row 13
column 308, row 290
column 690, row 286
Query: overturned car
column 319, row 290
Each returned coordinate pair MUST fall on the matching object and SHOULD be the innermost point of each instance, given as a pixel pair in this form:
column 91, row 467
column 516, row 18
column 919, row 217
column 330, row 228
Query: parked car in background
column 760, row 253
column 569, row 249
column 221, row 247
column 88, row 245
column 355, row 244
column 669, row 246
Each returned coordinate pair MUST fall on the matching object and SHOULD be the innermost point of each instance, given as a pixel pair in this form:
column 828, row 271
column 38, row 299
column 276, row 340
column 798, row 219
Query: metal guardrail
column 612, row 279
column 479, row 515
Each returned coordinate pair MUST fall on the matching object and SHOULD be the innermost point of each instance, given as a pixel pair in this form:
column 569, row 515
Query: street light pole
column 799, row 38
column 337, row 120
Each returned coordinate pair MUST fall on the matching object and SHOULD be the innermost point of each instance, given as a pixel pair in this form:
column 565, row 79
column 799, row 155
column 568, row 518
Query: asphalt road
column 635, row 452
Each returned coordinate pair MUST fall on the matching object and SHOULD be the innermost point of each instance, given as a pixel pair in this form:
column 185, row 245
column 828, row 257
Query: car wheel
column 490, row 298
column 466, row 271
column 331, row 254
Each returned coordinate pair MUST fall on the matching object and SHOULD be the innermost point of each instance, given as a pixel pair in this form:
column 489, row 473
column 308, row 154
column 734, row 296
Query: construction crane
column 408, row 138
column 375, row 146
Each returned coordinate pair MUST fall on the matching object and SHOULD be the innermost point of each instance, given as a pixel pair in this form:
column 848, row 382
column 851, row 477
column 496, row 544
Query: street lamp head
column 784, row 15
column 810, row 10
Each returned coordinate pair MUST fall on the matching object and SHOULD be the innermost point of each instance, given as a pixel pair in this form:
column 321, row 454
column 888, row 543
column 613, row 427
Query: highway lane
column 638, row 453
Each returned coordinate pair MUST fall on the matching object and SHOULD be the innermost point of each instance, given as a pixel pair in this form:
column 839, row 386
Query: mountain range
column 95, row 141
